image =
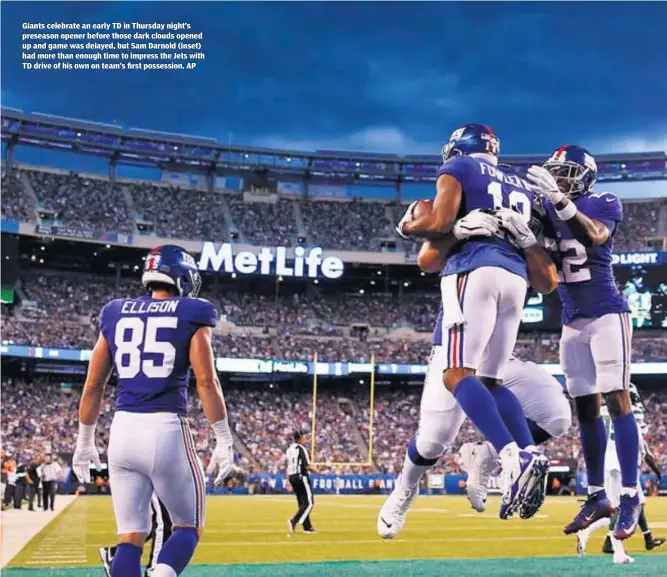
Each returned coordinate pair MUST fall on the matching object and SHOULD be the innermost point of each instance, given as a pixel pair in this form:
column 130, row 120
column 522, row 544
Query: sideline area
column 18, row 527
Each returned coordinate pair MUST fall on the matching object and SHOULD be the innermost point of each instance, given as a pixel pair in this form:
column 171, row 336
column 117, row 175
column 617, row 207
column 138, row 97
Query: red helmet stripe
column 561, row 150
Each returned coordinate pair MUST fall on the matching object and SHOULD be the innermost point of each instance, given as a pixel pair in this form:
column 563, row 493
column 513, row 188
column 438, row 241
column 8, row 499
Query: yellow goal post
column 371, row 418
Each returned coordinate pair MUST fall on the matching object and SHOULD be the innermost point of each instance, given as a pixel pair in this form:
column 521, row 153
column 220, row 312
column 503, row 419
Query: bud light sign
column 643, row 258
column 270, row 261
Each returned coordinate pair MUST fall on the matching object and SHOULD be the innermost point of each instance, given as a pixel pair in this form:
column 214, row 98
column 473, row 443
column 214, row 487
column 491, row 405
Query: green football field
column 442, row 536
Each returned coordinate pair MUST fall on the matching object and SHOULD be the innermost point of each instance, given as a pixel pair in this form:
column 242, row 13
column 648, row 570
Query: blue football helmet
column 470, row 139
column 574, row 169
column 174, row 266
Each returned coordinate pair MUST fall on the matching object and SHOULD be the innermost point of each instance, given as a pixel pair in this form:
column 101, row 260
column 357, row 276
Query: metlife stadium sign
column 270, row 261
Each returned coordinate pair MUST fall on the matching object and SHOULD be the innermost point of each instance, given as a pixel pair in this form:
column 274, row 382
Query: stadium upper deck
column 240, row 194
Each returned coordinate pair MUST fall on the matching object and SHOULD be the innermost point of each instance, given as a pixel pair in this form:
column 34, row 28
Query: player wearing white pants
column 440, row 419
column 491, row 302
column 595, row 354
column 154, row 451
column 541, row 396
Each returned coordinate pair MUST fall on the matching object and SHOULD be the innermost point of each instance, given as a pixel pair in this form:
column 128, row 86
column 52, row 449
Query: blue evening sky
column 392, row 77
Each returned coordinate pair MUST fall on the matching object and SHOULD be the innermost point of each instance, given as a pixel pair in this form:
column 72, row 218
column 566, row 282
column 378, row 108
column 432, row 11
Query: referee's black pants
column 19, row 493
column 48, row 494
column 304, row 496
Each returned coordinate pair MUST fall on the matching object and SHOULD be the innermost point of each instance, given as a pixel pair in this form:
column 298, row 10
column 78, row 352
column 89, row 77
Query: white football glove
column 520, row 234
column 407, row 217
column 85, row 454
column 476, row 223
column 222, row 459
column 545, row 183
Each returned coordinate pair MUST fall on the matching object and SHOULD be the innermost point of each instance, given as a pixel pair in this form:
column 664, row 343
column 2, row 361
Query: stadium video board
column 644, row 285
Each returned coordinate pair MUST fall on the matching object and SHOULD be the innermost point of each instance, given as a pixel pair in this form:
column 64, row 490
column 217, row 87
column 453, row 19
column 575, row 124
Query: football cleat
column 310, row 531
column 521, row 471
column 392, row 515
column 107, row 559
column 651, row 542
column 607, row 547
column 536, row 488
column 597, row 506
column 479, row 461
column 623, row 559
column 290, row 527
column 628, row 516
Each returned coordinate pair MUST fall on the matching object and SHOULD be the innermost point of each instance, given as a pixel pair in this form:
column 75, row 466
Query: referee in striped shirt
column 298, row 467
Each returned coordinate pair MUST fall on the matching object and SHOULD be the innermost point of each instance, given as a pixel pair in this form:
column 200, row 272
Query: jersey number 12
column 146, row 333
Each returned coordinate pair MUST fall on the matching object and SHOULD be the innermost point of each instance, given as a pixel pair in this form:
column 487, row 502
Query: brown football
column 423, row 207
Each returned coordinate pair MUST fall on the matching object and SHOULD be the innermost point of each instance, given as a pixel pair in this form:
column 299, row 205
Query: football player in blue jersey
column 440, row 416
column 595, row 345
column 152, row 342
column 483, row 287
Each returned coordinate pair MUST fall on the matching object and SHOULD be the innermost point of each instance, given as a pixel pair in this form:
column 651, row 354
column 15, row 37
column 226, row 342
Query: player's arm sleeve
column 608, row 211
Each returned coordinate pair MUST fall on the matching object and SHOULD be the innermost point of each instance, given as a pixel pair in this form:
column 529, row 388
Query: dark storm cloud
column 378, row 76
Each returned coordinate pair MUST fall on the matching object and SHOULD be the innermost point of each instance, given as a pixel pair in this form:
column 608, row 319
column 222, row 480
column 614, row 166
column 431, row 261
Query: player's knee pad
column 429, row 449
column 559, row 426
column 437, row 430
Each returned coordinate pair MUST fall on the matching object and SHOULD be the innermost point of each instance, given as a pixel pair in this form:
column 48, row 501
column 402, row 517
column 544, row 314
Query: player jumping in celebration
column 440, row 417
column 612, row 483
column 595, row 345
column 483, row 288
column 152, row 342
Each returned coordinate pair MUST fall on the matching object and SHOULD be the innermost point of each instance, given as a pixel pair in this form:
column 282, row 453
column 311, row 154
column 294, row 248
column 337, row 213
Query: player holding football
column 152, row 342
column 440, row 418
column 612, row 478
column 595, row 345
column 483, row 288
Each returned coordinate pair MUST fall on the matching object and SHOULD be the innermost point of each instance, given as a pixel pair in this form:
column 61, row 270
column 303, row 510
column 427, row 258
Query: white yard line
column 20, row 526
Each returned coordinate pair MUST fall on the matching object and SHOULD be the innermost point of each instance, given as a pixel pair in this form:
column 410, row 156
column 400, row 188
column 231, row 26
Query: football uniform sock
column 616, row 545
column 176, row 552
column 627, row 448
column 594, row 444
column 478, row 403
column 127, row 561
column 643, row 523
column 597, row 525
column 513, row 416
column 415, row 463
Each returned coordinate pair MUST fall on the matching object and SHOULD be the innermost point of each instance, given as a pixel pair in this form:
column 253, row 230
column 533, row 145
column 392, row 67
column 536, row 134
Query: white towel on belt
column 452, row 314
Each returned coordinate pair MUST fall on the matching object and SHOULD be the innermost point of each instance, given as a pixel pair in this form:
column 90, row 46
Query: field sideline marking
column 280, row 531
column 312, row 542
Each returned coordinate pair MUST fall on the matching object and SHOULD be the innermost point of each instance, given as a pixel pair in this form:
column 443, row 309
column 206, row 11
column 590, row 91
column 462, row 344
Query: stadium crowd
column 164, row 207
column 59, row 310
column 263, row 418
column 365, row 224
column 80, row 203
column 16, row 203
column 83, row 203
